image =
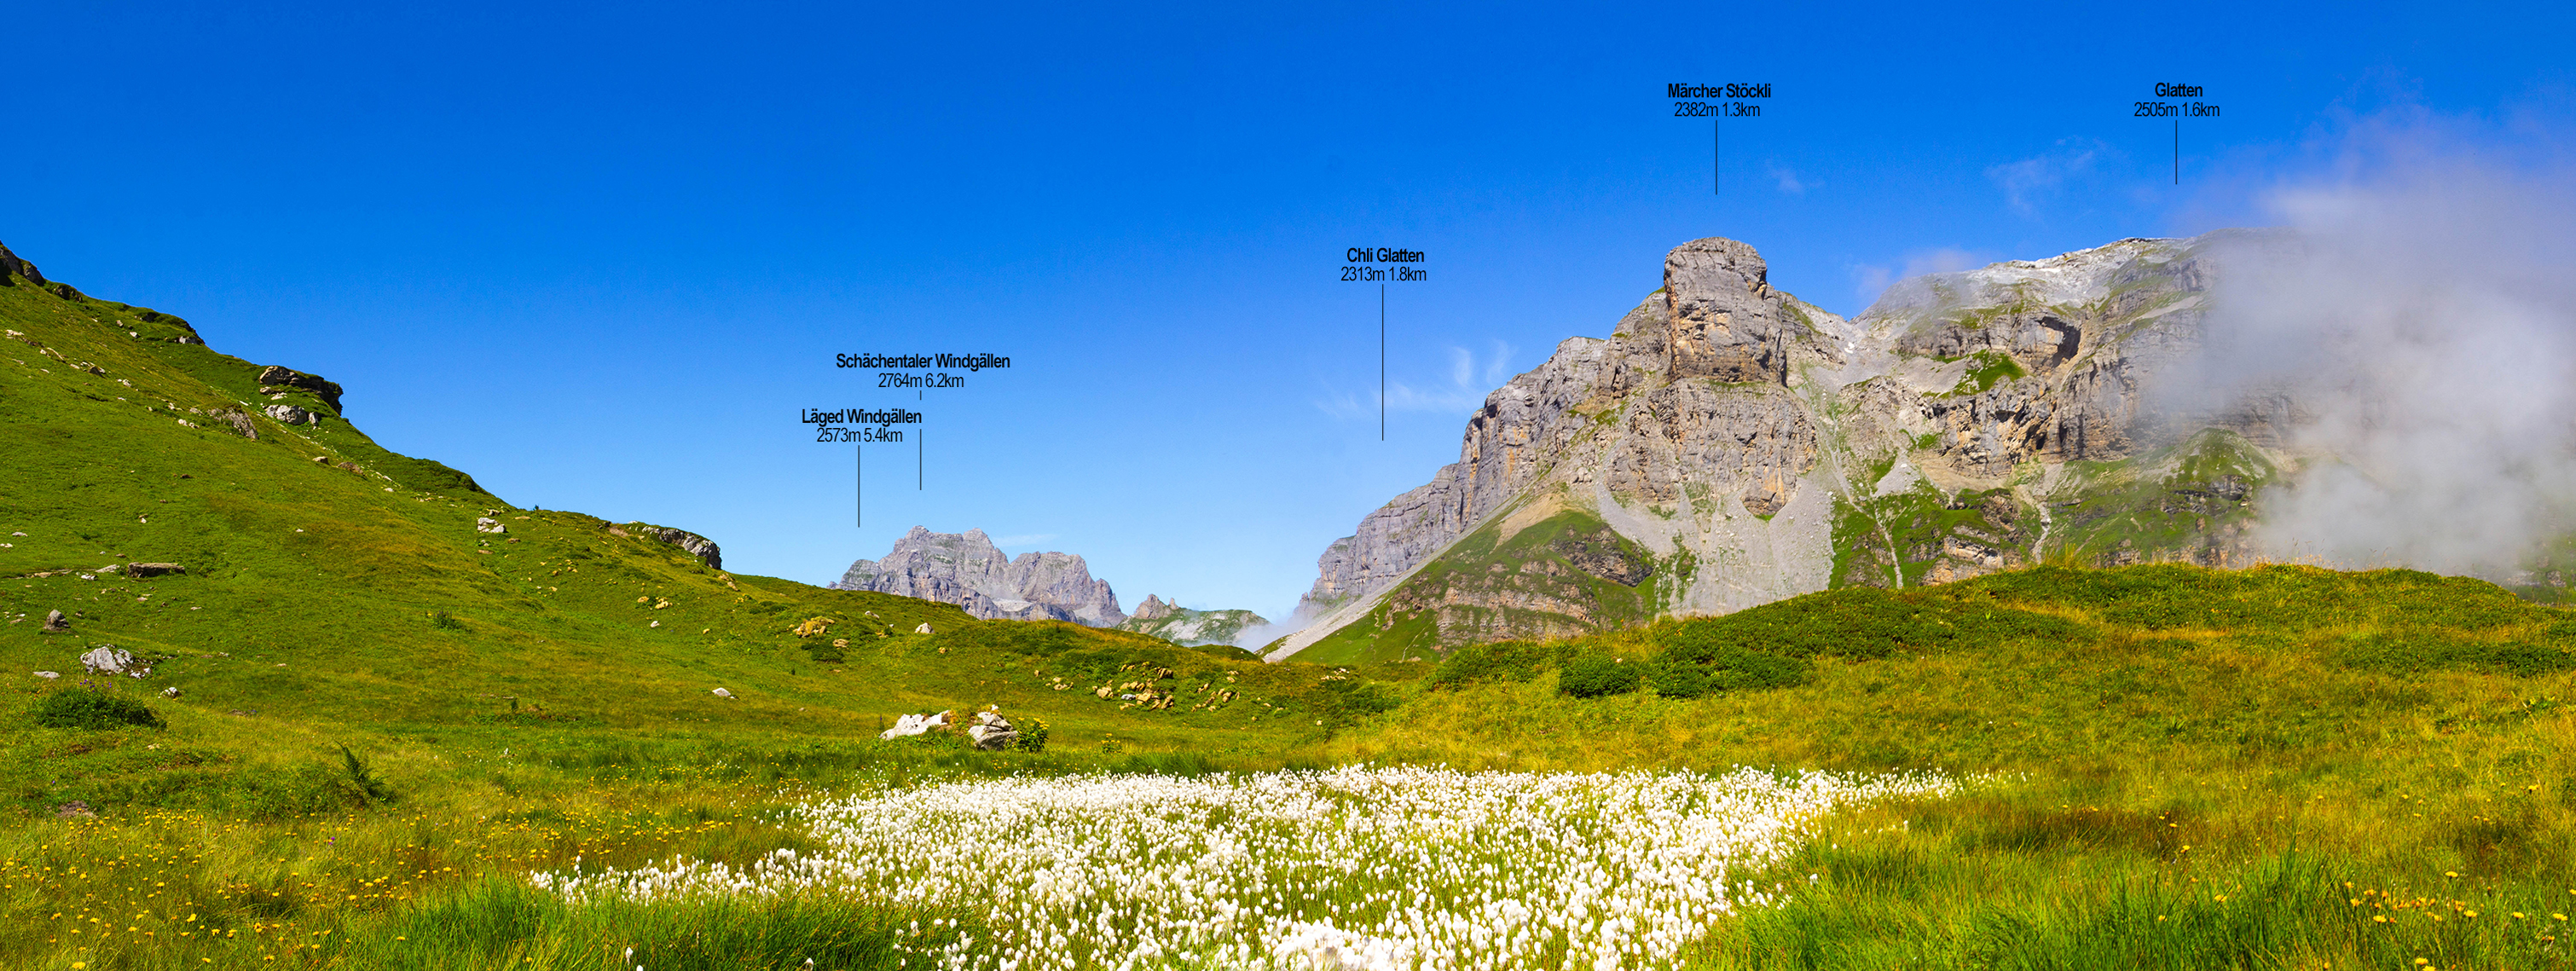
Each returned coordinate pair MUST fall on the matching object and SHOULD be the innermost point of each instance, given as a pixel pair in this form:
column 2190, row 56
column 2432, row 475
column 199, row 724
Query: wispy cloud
column 1870, row 280
column 1470, row 377
column 1789, row 181
column 2035, row 180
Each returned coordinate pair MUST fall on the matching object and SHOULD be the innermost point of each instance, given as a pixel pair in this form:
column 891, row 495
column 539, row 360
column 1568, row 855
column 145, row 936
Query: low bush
column 1599, row 675
column 89, row 708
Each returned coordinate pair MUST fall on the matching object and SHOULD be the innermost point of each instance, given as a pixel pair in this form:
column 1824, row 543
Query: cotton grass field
column 1357, row 867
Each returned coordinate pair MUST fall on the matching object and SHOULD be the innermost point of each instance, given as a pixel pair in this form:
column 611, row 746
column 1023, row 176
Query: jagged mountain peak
column 968, row 570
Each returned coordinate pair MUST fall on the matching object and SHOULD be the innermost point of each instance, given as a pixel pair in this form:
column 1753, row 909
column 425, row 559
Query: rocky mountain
column 1729, row 445
column 1182, row 625
column 966, row 569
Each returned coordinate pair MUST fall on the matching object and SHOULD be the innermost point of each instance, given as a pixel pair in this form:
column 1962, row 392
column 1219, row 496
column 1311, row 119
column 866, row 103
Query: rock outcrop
column 274, row 379
column 695, row 545
column 1729, row 445
column 966, row 569
column 10, row 264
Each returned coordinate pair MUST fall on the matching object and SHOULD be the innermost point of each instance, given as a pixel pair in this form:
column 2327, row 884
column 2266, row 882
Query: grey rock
column 49, row 675
column 698, row 546
column 991, row 732
column 966, row 569
column 291, row 415
column 109, row 659
column 171, row 692
column 487, row 524
column 56, row 623
column 721, row 693
column 143, row 570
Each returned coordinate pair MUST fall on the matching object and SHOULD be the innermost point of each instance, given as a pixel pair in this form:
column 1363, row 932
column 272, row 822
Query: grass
column 2154, row 737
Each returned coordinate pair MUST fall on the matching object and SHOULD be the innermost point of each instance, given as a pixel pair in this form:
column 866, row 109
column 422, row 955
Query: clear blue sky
column 600, row 257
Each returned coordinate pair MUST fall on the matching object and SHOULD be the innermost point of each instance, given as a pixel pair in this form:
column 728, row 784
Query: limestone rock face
column 966, row 569
column 1730, row 445
column 1152, row 609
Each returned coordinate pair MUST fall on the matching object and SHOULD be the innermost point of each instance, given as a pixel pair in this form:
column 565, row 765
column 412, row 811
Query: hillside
column 333, row 591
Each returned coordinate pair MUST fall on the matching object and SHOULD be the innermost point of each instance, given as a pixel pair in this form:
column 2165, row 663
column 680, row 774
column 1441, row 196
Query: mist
column 2420, row 309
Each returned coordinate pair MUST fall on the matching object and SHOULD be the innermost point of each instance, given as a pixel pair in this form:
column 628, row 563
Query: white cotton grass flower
column 1360, row 867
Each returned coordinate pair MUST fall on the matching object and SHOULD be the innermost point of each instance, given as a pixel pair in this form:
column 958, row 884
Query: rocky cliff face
column 966, row 569
column 1730, row 445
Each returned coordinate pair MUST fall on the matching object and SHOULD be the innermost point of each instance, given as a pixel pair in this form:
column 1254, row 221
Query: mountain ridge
column 1751, row 446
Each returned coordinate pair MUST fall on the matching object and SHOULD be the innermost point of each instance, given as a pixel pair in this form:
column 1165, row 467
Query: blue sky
column 600, row 257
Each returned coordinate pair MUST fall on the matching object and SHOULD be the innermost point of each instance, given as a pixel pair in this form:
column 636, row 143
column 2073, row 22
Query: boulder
column 170, row 692
column 291, row 415
column 923, row 629
column 721, row 693
column 487, row 524
column 909, row 725
column 108, row 659
column 141, row 570
column 991, row 732
column 56, row 623
column 49, row 675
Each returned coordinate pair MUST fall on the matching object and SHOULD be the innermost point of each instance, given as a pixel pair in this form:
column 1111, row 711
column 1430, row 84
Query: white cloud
column 2037, row 179
column 1789, row 182
column 1470, row 378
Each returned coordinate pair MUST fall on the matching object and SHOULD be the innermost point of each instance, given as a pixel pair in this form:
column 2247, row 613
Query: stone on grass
column 171, row 692
column 914, row 725
column 56, row 623
column 923, row 629
column 721, row 693
column 49, row 675
column 108, row 659
column 990, row 731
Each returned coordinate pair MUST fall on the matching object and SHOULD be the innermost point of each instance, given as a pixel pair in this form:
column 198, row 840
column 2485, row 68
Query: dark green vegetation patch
column 94, row 709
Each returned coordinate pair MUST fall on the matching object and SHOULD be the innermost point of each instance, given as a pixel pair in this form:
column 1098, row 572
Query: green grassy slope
column 1568, row 573
column 353, row 599
column 2324, row 749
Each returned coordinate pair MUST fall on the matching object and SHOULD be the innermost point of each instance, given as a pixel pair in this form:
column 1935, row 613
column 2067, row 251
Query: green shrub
column 2410, row 651
column 1498, row 661
column 1678, row 680
column 445, row 621
column 1033, row 734
column 1597, row 675
column 88, row 708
